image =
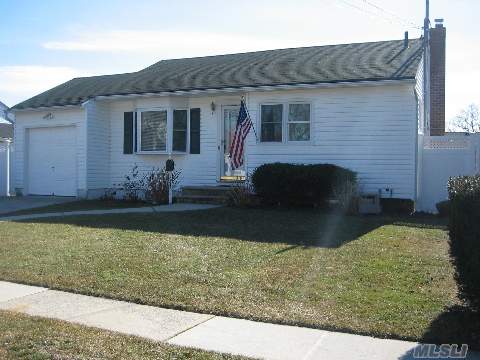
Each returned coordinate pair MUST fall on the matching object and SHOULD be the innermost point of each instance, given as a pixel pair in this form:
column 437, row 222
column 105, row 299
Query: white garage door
column 52, row 161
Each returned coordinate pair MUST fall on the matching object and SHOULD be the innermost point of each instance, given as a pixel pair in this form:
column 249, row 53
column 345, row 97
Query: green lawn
column 384, row 276
column 79, row 205
column 25, row 337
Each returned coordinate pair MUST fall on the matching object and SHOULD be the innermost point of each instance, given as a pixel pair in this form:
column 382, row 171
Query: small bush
column 158, row 183
column 109, row 194
column 395, row 206
column 464, row 231
column 443, row 208
column 299, row 185
column 134, row 185
column 242, row 194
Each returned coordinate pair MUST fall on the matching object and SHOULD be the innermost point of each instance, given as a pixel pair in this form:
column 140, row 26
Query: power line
column 392, row 17
column 392, row 14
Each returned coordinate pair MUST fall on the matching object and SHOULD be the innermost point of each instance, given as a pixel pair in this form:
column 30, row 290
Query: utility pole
column 426, row 68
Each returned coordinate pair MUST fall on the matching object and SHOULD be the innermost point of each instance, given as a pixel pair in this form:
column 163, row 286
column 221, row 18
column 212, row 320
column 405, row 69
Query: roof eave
column 238, row 89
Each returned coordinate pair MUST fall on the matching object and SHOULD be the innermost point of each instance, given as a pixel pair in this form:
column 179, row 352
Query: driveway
column 14, row 203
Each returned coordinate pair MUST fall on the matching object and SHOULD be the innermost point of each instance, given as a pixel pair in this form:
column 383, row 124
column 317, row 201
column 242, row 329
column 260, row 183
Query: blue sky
column 44, row 43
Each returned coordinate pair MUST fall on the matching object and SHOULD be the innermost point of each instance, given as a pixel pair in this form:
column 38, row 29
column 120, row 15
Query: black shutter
column 128, row 133
column 194, row 131
column 135, row 133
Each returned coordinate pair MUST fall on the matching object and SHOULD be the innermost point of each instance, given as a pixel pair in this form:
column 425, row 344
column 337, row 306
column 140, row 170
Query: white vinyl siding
column 368, row 129
column 98, row 142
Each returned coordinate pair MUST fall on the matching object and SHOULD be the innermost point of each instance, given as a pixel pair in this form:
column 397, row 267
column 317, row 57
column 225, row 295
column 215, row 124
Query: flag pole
column 246, row 109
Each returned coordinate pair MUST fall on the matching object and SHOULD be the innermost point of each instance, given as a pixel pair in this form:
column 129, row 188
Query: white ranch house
column 359, row 106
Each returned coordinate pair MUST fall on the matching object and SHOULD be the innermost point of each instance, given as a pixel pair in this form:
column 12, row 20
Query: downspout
column 426, row 69
column 417, row 169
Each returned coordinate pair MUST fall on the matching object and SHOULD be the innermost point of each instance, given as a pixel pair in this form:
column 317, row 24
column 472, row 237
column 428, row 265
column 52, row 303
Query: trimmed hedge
column 464, row 231
column 299, row 185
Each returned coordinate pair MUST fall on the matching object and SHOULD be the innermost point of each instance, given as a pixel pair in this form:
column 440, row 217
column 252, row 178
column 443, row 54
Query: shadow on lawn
column 296, row 227
column 456, row 325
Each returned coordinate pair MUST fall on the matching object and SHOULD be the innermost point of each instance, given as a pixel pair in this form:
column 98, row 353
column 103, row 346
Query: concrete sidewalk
column 145, row 209
column 203, row 331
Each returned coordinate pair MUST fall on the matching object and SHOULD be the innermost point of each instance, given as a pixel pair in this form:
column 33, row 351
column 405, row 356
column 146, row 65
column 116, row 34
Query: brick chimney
column 437, row 78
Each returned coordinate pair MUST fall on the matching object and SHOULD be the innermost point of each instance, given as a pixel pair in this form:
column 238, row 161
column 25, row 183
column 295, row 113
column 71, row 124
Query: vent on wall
column 446, row 143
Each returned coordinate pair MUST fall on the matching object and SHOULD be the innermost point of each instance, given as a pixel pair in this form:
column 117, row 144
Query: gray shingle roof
column 384, row 60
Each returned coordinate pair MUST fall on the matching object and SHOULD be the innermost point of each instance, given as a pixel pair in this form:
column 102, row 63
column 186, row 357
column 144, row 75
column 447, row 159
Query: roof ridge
column 279, row 49
column 379, row 60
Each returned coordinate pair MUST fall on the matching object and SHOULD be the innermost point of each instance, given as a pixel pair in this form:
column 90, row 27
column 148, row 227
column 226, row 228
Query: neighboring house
column 6, row 125
column 356, row 105
column 6, row 149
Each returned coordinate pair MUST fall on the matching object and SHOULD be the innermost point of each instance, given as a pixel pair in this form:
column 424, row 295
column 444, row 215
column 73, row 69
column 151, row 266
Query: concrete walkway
column 15, row 203
column 207, row 332
column 146, row 209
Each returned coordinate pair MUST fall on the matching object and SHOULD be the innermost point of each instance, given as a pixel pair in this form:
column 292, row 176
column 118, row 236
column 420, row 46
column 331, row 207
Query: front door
column 229, row 123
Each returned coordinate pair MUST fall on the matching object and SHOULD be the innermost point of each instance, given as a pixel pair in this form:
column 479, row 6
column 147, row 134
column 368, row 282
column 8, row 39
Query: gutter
column 239, row 89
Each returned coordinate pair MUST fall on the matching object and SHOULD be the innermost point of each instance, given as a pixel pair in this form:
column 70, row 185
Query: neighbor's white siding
column 371, row 130
column 34, row 119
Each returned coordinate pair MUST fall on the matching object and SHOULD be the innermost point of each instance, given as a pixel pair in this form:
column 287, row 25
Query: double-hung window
column 153, row 131
column 180, row 130
column 298, row 122
column 288, row 122
column 162, row 131
column 271, row 123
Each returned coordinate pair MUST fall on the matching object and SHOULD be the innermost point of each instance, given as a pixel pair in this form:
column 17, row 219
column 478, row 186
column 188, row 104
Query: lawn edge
column 229, row 314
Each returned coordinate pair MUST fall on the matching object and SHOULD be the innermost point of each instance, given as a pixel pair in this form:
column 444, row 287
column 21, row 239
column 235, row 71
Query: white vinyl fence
column 443, row 157
column 6, row 149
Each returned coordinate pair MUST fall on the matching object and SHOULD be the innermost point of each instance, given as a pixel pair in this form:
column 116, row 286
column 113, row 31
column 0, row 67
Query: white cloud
column 18, row 83
column 170, row 44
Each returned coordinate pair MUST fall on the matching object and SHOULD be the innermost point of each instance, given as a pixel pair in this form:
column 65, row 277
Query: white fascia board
column 232, row 90
column 258, row 88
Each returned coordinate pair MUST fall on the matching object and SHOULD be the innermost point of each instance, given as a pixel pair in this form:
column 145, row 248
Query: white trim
column 244, row 89
column 44, row 108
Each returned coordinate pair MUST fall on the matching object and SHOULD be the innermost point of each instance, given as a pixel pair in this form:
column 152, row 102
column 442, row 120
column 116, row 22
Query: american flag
column 244, row 124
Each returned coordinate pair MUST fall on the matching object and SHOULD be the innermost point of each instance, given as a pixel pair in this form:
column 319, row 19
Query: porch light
column 212, row 106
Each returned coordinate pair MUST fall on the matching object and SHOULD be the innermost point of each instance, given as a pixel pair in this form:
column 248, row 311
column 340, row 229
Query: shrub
column 395, row 206
column 242, row 194
column 109, row 194
column 157, row 184
column 443, row 208
column 134, row 185
column 464, row 231
column 292, row 184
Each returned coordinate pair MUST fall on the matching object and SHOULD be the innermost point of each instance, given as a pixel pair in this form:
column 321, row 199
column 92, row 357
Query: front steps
column 217, row 195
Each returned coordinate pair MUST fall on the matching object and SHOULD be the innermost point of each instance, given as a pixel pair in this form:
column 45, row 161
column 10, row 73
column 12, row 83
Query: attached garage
column 52, row 161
